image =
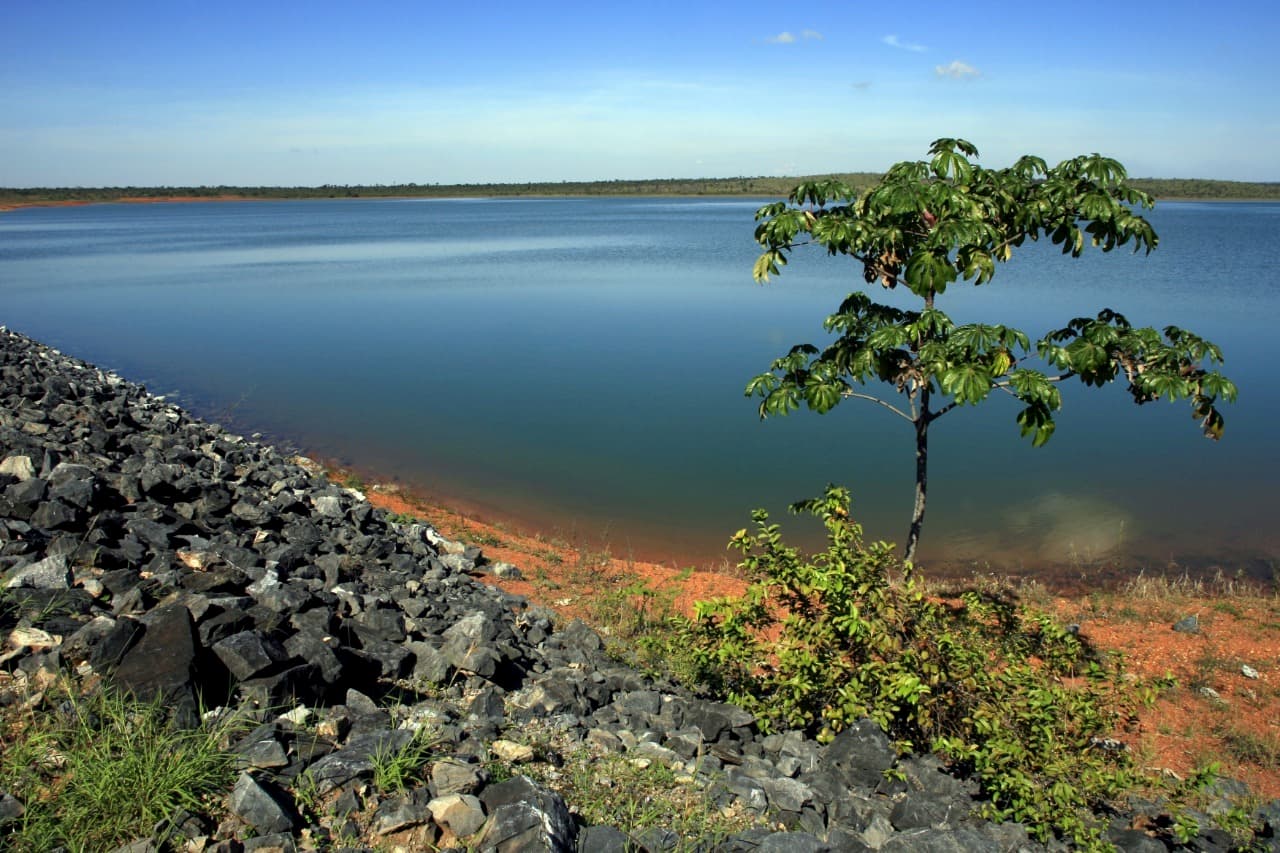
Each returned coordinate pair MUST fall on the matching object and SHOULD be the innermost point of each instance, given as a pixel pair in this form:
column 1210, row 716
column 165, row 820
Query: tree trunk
column 922, row 476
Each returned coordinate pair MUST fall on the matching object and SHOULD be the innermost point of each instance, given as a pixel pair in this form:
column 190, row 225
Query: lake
column 577, row 365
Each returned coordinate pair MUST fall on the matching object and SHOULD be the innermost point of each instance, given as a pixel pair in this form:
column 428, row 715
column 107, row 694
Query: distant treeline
column 1163, row 188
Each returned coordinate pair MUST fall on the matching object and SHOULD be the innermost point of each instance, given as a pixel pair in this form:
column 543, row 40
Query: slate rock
column 314, row 649
column 605, row 839
column 429, row 665
column 11, row 809
column 356, row 759
column 657, row 839
column 450, row 776
column 791, row 842
column 1135, row 841
column 1187, row 625
column 278, row 842
column 398, row 813
column 962, row 839
column 50, row 573
column 918, row 810
column 102, row 641
column 249, row 654
column 161, row 665
column 525, row 817
column 264, row 807
column 860, row 754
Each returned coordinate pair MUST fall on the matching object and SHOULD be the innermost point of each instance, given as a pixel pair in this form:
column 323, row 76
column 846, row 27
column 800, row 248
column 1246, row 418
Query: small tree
column 927, row 224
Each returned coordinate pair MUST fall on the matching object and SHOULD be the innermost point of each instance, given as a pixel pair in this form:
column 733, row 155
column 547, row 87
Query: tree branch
column 1068, row 375
column 888, row 406
column 948, row 407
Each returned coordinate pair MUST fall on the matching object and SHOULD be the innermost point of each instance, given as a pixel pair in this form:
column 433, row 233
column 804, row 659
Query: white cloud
column 781, row 38
column 811, row 34
column 894, row 41
column 957, row 70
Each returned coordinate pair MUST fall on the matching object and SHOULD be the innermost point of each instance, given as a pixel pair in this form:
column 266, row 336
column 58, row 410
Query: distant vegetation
column 1161, row 188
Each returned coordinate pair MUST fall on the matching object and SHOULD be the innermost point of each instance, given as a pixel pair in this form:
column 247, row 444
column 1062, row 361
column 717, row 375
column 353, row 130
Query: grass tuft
column 102, row 770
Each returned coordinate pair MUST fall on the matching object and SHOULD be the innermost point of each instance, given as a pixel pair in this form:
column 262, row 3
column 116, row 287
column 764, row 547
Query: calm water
column 579, row 364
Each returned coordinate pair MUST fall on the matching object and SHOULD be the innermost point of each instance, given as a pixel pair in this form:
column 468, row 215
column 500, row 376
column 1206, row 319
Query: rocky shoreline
column 177, row 562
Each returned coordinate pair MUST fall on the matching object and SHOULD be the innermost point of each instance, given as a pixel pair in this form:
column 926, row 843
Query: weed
column 1246, row 747
column 396, row 770
column 638, row 795
column 484, row 539
column 820, row 641
column 548, row 555
column 104, row 769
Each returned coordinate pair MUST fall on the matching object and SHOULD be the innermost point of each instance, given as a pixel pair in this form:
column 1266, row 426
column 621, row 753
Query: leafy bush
column 820, row 641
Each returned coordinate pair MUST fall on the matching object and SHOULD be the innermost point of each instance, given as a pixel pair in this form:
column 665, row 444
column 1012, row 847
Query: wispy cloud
column 894, row 41
column 862, row 85
column 787, row 37
column 957, row 70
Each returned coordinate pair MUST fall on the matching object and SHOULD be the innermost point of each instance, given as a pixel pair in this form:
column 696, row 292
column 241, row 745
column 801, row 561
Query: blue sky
column 286, row 93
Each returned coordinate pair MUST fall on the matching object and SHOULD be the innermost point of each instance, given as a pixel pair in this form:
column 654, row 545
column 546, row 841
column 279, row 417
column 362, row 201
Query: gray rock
column 279, row 842
column 50, row 573
column 605, row 839
column 787, row 794
column 657, row 839
column 860, row 754
column 1135, row 841
column 1187, row 625
column 455, row 777
column 429, row 665
column 918, row 810
column 525, row 817
column 11, row 809
column 791, row 842
column 356, row 759
column 399, row 813
column 935, row 840
column 162, row 665
column 249, row 654
column 267, row 809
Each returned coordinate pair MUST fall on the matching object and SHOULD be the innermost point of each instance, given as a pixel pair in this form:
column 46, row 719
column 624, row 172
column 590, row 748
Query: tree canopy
column 930, row 224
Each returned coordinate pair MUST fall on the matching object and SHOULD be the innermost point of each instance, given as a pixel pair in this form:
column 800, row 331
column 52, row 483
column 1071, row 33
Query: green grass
column 634, row 795
column 396, row 771
column 102, row 770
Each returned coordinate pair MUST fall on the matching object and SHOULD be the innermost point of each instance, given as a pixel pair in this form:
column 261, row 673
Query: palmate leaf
column 930, row 222
column 968, row 383
column 823, row 393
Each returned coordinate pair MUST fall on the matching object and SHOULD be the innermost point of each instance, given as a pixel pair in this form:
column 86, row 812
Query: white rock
column 18, row 466
column 516, row 753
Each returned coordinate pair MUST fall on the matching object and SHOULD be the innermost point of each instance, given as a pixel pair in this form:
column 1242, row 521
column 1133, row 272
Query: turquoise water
column 579, row 364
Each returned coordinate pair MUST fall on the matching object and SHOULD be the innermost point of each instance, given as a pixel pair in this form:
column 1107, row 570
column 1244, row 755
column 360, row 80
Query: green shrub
column 1004, row 693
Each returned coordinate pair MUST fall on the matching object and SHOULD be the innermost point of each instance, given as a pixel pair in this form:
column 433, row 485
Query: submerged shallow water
column 579, row 364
